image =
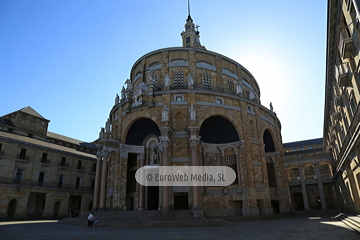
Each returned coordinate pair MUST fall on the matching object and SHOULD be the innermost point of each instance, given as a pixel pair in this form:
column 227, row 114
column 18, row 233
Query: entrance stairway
column 156, row 219
column 351, row 221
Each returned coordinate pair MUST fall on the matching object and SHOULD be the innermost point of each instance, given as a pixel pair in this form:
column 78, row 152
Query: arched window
column 309, row 172
column 140, row 129
column 268, row 142
column 217, row 129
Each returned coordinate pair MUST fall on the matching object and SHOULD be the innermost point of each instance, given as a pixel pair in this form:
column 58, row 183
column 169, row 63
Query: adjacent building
column 342, row 96
column 310, row 175
column 42, row 174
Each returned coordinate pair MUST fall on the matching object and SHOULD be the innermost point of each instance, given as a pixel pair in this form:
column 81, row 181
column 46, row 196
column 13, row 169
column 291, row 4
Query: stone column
column 194, row 141
column 303, row 188
column 141, row 187
column 165, row 162
column 97, row 183
column 236, row 150
column 321, row 187
column 194, row 162
column 103, row 182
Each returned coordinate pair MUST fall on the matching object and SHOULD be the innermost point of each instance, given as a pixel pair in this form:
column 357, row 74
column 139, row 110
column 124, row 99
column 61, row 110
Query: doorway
column 11, row 208
column 152, row 198
column 298, row 201
column 181, row 201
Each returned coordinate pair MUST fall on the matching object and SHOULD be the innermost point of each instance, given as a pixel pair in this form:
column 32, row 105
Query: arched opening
column 140, row 129
column 268, row 142
column 90, row 206
column 56, row 208
column 218, row 130
column 309, row 172
column 11, row 208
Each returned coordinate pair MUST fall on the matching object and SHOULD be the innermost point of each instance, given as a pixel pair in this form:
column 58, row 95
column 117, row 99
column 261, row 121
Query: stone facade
column 310, row 175
column 342, row 96
column 186, row 106
column 43, row 174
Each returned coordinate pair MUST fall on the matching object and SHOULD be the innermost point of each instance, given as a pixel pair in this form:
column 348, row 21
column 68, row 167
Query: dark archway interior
column 140, row 130
column 218, row 130
column 12, row 208
column 268, row 142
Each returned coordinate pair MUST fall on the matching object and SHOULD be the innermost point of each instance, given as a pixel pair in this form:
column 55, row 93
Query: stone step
column 149, row 224
column 351, row 221
column 141, row 216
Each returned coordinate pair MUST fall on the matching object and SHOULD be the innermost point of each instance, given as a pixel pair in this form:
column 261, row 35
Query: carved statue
column 137, row 97
column 165, row 113
column 107, row 127
column 123, row 96
column 238, row 88
column 190, row 78
column 128, row 84
column 271, row 107
column 153, row 155
column 167, row 81
column 101, row 133
column 150, row 77
column 192, row 112
column 117, row 99
column 252, row 94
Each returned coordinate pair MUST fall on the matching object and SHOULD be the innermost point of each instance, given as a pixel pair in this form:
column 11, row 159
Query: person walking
column 91, row 219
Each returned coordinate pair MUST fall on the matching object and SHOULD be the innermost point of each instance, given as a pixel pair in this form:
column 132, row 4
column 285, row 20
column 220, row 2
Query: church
column 188, row 106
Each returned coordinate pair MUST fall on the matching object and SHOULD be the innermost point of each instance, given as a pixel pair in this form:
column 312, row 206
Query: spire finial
column 189, row 8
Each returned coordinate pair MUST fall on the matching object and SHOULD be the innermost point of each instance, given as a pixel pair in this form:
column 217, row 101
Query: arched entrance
column 143, row 132
column 11, row 208
column 56, row 208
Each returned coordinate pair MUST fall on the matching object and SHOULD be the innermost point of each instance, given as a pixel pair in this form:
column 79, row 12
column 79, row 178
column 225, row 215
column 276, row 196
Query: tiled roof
column 44, row 144
column 70, row 140
column 303, row 143
column 31, row 111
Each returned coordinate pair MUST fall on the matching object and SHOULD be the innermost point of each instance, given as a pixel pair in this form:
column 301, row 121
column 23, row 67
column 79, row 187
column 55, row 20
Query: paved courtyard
column 314, row 225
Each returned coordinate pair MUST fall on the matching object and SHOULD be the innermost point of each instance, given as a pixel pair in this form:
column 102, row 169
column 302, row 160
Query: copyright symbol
column 148, row 177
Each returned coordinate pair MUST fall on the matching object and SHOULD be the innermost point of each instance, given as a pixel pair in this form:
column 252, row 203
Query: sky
column 68, row 59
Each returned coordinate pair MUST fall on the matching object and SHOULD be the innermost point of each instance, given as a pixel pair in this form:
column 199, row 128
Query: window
column 179, row 79
column 79, row 164
column 22, row 153
column 231, row 87
column 18, row 175
column 231, row 162
column 352, row 104
column 179, row 99
column 187, row 40
column 1, row 152
column 77, row 184
column 61, row 181
column 41, row 178
column 155, row 78
column 63, row 161
column 44, row 158
column 94, row 167
column 206, row 81
column 92, row 184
